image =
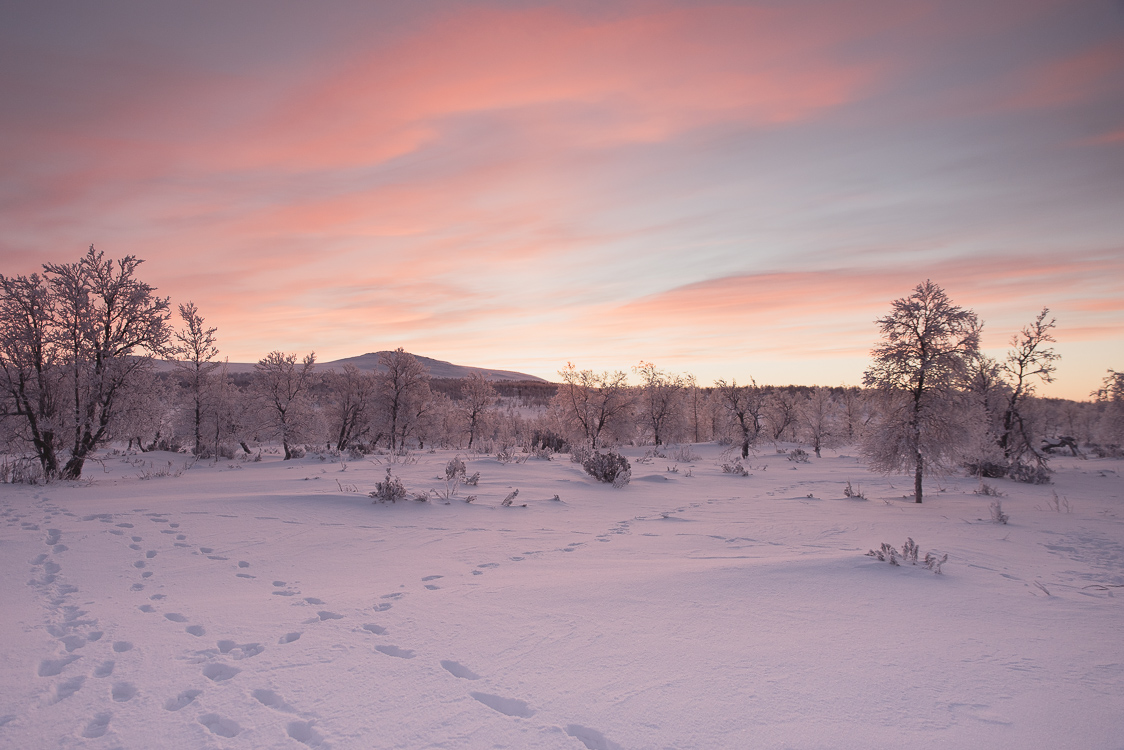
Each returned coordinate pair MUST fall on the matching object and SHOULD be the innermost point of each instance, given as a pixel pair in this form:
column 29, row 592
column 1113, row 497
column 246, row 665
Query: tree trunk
column 917, row 478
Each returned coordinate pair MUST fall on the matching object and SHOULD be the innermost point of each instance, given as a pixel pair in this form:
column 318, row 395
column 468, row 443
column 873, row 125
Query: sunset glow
column 731, row 190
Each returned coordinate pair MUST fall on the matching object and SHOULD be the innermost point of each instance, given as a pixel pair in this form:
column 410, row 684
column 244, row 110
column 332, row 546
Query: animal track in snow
column 302, row 732
column 150, row 554
column 456, row 669
column 381, row 607
column 243, row 564
column 175, row 617
column 272, row 700
column 54, row 667
column 195, row 630
column 376, row 629
column 97, row 726
column 508, row 706
column 220, row 726
column 313, row 600
column 591, row 738
column 105, row 669
column 67, row 688
column 219, row 672
column 432, row 578
column 206, row 550
column 325, row 615
column 123, row 691
column 183, row 699
column 401, row 653
column 289, row 638
column 122, row 646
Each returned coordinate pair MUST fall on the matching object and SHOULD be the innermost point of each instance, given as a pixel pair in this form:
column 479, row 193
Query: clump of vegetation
column 798, row 456
column 609, row 467
column 735, row 468
column 997, row 514
column 910, row 554
column 390, row 489
column 850, row 491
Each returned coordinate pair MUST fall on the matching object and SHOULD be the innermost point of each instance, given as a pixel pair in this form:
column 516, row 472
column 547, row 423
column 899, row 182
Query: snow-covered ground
column 271, row 604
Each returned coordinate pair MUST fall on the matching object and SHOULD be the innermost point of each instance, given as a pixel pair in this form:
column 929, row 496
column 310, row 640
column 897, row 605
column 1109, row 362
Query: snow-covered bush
column 609, row 467
column 997, row 514
column 850, row 491
column 735, row 468
column 798, row 456
column 390, row 489
column 910, row 553
column 685, row 455
column 1030, row 473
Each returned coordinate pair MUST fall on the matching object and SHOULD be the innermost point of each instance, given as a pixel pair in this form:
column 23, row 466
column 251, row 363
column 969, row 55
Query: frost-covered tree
column 1028, row 359
column 590, row 405
column 403, row 393
column 477, row 397
column 919, row 367
column 282, row 385
column 1111, row 397
column 780, row 410
column 660, row 401
column 195, row 344
column 72, row 342
column 349, row 402
column 818, row 419
column 742, row 405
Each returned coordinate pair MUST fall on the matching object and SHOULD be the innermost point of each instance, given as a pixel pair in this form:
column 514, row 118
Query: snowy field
column 272, row 605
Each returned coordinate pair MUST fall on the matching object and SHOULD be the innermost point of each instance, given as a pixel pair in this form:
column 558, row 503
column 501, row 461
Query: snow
column 272, row 605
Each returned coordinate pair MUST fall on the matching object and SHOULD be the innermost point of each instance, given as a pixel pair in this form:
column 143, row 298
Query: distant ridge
column 370, row 362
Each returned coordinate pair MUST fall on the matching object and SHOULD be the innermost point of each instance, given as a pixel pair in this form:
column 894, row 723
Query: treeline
column 77, row 345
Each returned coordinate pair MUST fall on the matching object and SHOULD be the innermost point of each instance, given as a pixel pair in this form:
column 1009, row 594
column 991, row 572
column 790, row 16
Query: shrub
column 798, row 455
column 22, row 470
column 850, row 491
column 390, row 489
column 736, row 469
column 997, row 514
column 454, row 469
column 609, row 467
column 910, row 553
column 1030, row 474
column 685, row 455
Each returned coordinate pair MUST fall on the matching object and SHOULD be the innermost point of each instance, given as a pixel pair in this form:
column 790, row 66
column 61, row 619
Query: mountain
column 437, row 368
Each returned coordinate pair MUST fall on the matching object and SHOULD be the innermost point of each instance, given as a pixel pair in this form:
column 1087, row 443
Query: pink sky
column 733, row 190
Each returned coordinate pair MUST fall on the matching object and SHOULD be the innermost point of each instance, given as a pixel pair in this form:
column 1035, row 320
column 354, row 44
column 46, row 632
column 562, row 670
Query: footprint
column 225, row 647
column 175, row 617
column 73, row 642
column 94, row 636
column 273, row 700
column 158, row 597
column 220, row 726
column 150, row 554
column 285, row 593
column 134, row 546
column 244, row 575
column 137, row 587
column 325, row 615
column 219, row 672
column 122, row 646
column 217, row 557
column 508, row 706
column 53, row 536
column 206, row 550
column 69, row 687
column 105, row 669
column 146, row 574
column 279, row 583
column 180, row 538
column 591, row 738
column 313, row 600
column 183, row 699
column 97, row 726
column 124, row 526
column 401, row 653
column 138, row 539
column 376, row 629
column 431, row 587
column 139, row 563
column 381, row 607
column 117, row 532
column 488, row 565
column 456, row 669
column 432, row 578
column 302, row 731
column 54, row 667
column 124, row 691
column 196, row 630
column 289, row 637
column 146, row 608
column 243, row 564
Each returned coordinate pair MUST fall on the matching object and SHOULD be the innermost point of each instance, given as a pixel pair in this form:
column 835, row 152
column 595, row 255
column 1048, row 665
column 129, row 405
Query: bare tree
column 1110, row 397
column 350, row 399
column 73, row 342
column 196, row 344
column 818, row 419
column 660, row 401
column 780, row 411
column 1028, row 358
column 742, row 404
column 403, row 393
column 591, row 404
column 928, row 344
column 477, row 396
column 696, row 406
column 283, row 387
